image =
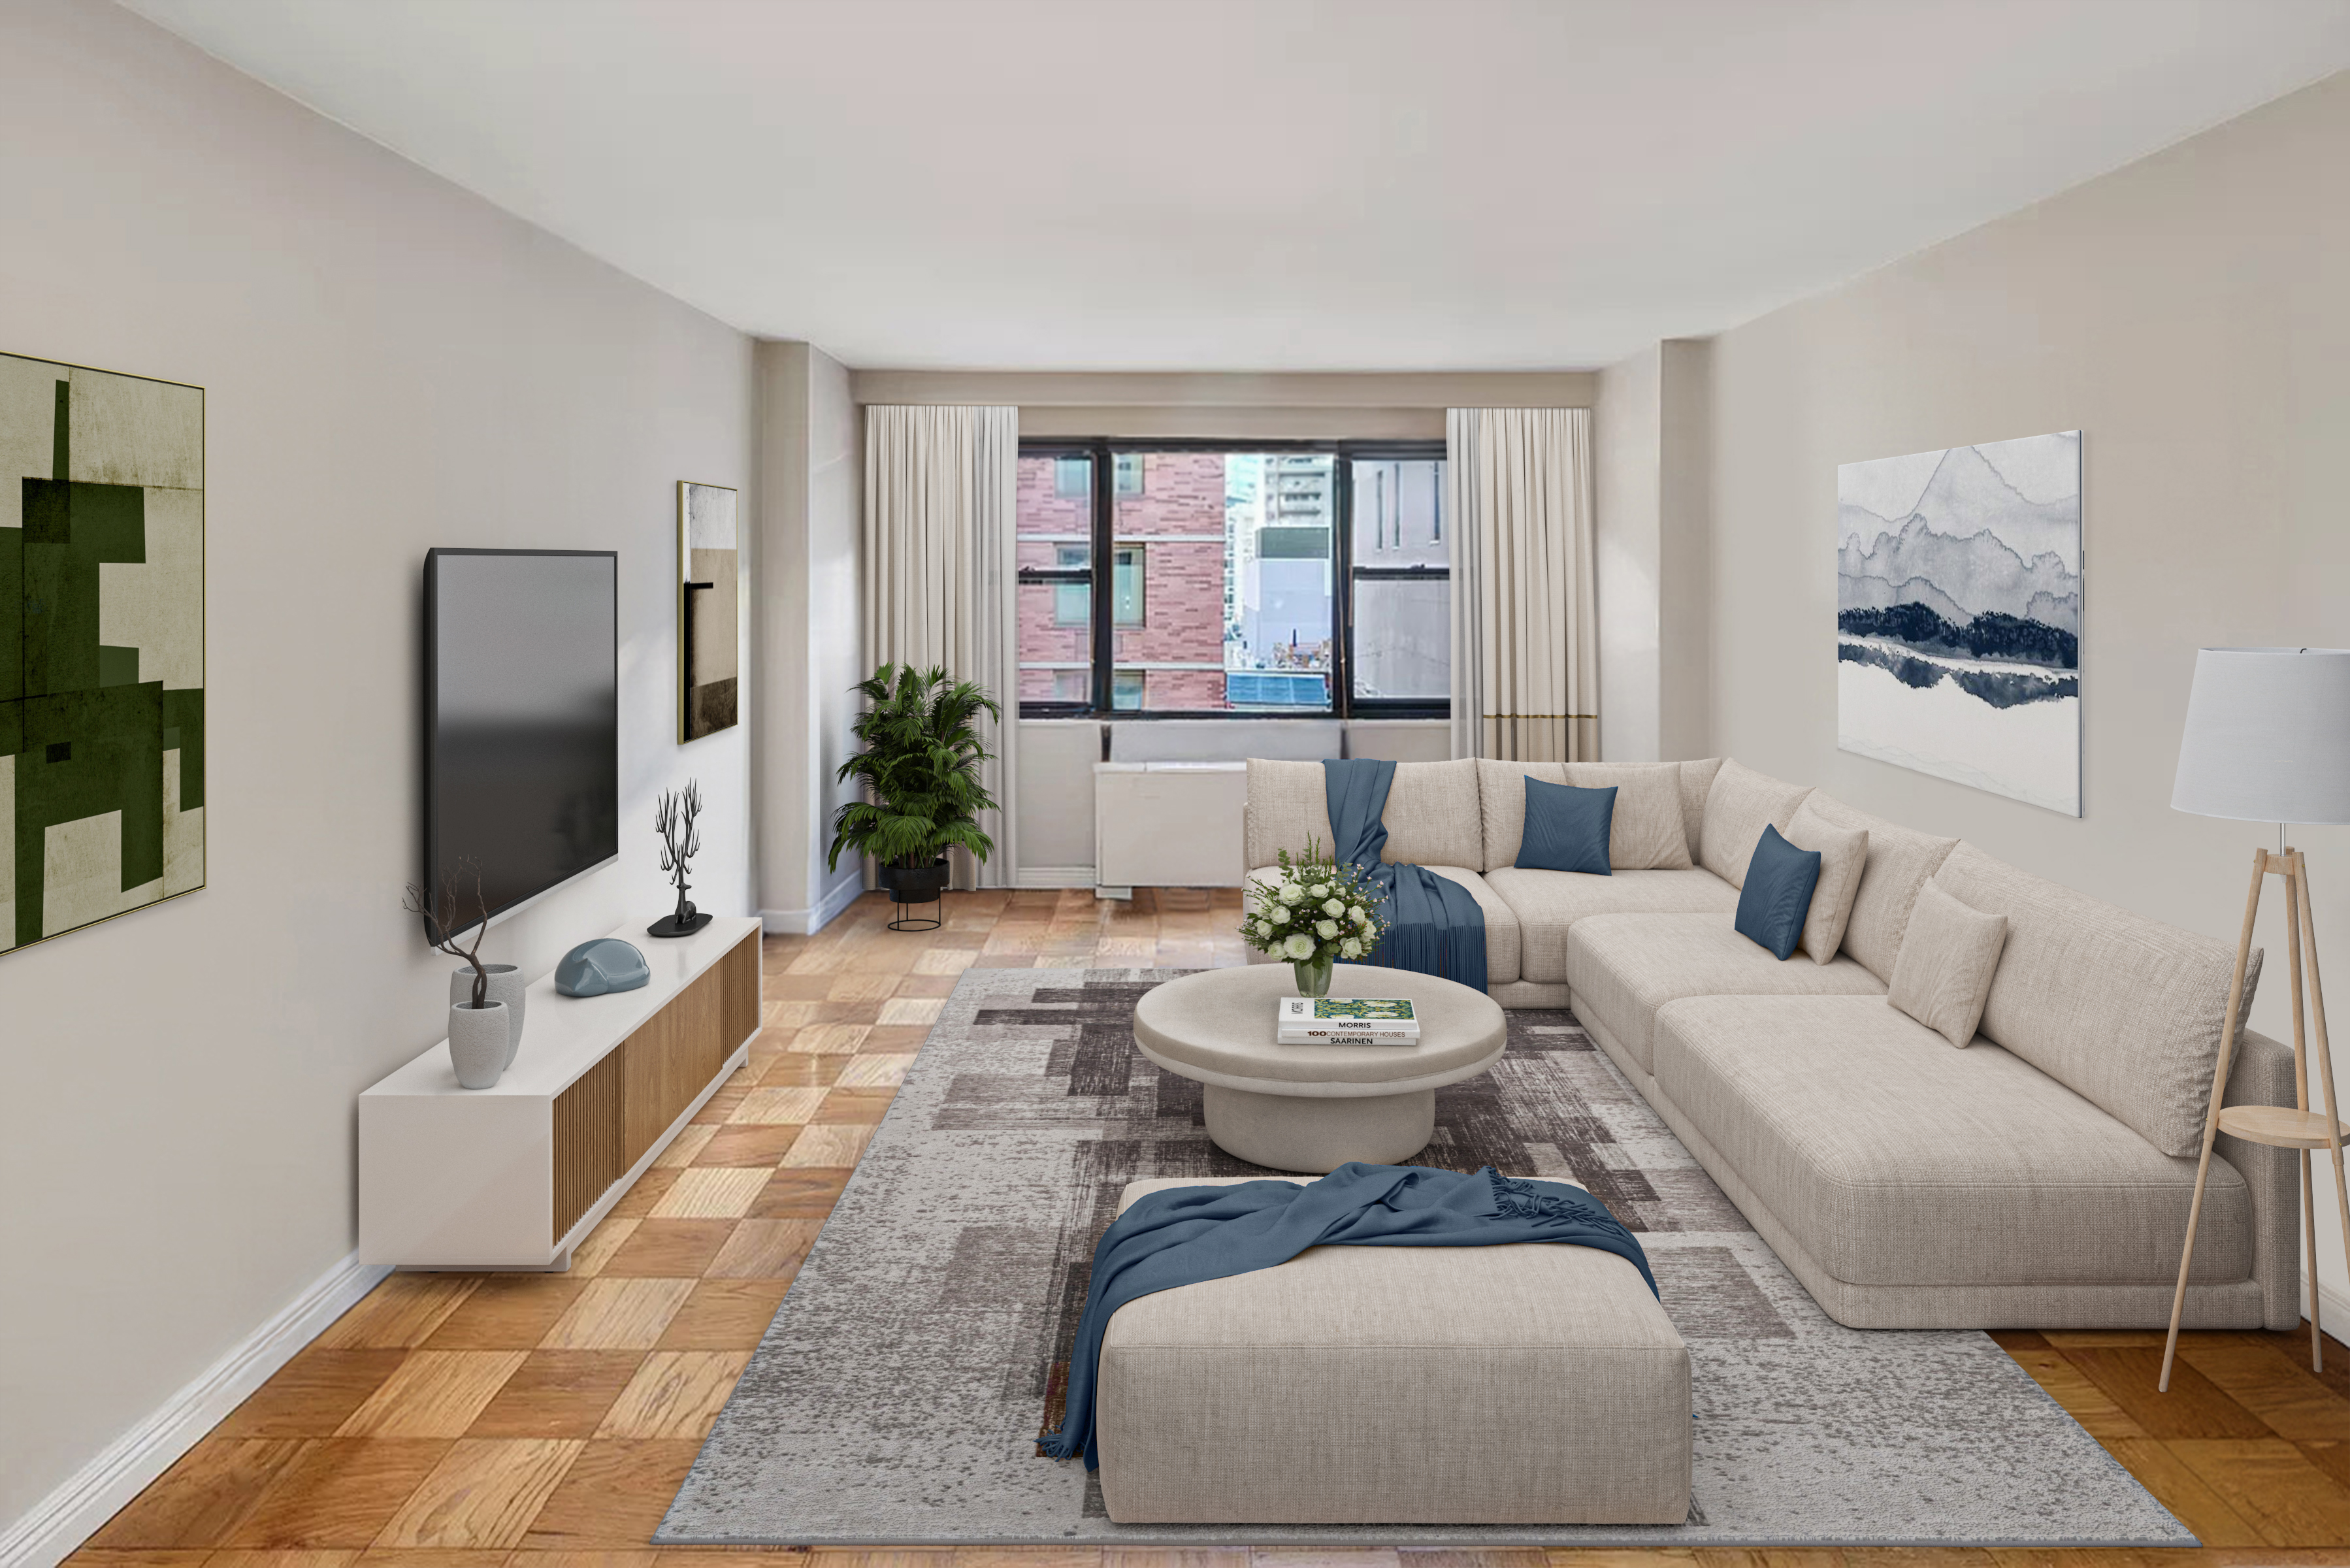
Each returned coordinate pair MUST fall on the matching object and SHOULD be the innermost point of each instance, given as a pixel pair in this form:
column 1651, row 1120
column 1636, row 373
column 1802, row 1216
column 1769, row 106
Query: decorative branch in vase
column 674, row 816
column 1313, row 914
column 481, row 1032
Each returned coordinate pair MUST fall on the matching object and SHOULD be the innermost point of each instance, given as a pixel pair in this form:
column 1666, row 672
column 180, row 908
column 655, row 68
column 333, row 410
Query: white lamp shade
column 2268, row 735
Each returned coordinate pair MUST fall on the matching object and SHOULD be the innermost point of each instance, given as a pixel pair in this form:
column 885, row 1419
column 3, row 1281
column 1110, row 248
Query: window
column 1399, row 584
column 1283, row 578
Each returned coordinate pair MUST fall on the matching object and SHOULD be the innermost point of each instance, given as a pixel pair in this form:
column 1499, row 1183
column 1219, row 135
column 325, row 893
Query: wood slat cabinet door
column 665, row 1064
column 738, row 994
column 587, row 1141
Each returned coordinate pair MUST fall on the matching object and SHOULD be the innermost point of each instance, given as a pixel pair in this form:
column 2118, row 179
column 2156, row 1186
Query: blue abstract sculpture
column 605, row 965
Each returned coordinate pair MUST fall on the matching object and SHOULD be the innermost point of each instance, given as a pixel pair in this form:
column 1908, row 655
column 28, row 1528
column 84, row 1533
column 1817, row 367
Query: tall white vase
column 506, row 986
column 478, row 1041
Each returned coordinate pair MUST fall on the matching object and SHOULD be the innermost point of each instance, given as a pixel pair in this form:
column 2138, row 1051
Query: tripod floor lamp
column 2268, row 739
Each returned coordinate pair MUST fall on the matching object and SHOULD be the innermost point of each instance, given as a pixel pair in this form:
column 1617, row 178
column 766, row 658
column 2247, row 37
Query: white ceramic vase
column 506, row 986
column 478, row 1041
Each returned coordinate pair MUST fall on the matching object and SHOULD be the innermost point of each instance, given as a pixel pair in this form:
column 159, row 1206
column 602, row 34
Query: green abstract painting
column 101, row 645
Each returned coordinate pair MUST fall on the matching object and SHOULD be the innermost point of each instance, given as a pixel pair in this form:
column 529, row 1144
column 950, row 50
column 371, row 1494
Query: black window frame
column 1104, row 452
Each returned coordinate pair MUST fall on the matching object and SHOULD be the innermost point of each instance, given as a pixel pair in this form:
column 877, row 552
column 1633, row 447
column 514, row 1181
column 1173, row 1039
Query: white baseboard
column 85, row 1499
column 807, row 922
column 1055, row 877
column 2335, row 1308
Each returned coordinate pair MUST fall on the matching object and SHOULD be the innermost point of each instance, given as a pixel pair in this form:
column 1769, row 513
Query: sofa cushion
column 1777, row 897
column 1548, row 903
column 1502, row 797
column 1288, row 804
column 1696, row 782
column 1432, row 816
column 1623, row 968
column 2123, row 1010
column 1567, row 828
column 1843, row 855
column 1945, row 968
column 1647, row 833
column 1739, row 807
column 1895, row 1160
column 1899, row 861
column 1500, row 921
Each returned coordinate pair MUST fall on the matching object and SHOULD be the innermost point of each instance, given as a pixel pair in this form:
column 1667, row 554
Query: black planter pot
column 915, row 884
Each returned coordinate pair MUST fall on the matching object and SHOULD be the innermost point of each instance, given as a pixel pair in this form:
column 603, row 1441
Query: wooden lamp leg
column 2325, row 1072
column 2300, row 1101
column 2211, row 1121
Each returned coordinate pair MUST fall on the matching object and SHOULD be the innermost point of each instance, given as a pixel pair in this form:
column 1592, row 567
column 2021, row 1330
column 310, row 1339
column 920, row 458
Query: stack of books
column 1346, row 1021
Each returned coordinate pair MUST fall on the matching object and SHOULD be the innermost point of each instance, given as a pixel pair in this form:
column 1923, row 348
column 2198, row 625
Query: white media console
column 515, row 1176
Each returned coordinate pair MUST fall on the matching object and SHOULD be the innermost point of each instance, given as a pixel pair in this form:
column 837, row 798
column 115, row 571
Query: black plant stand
column 910, row 884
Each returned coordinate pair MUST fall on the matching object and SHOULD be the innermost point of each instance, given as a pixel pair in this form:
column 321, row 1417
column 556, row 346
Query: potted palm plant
column 919, row 765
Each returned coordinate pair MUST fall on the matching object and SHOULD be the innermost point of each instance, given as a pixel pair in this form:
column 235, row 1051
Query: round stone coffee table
column 1315, row 1108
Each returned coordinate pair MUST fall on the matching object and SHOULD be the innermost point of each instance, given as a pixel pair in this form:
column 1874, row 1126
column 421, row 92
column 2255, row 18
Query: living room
column 1377, row 432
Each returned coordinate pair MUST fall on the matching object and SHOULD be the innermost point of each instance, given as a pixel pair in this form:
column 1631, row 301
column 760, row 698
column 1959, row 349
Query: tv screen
column 521, row 720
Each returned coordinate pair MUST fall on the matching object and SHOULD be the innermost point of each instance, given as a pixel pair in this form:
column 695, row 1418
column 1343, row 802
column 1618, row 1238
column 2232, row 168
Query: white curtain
column 941, row 488
column 1526, row 634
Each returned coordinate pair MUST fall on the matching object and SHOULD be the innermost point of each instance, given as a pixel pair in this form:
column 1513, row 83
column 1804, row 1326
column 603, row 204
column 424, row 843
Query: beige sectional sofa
column 2039, row 1178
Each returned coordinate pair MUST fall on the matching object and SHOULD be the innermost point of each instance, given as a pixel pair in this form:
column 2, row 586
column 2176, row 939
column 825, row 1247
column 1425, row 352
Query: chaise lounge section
column 2038, row 1179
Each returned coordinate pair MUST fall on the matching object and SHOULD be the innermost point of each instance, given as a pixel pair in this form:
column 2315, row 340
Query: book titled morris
column 1346, row 1020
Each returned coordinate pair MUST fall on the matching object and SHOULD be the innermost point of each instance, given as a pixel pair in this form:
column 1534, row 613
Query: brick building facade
column 1168, row 588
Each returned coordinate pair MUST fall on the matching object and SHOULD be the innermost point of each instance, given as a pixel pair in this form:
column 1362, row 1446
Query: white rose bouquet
column 1315, row 913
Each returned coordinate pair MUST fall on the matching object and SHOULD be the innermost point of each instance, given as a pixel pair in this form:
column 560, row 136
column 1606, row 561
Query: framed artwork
column 1959, row 614
column 101, row 645
column 709, row 609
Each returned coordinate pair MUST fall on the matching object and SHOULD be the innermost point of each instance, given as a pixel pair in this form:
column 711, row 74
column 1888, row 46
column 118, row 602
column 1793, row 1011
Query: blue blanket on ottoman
column 1187, row 1234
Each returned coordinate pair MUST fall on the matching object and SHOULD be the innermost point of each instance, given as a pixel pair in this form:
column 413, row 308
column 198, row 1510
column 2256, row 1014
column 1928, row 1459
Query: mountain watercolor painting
column 1959, row 614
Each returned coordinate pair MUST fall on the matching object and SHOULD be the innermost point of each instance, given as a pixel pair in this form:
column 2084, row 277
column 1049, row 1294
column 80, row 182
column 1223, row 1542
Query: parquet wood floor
column 544, row 1421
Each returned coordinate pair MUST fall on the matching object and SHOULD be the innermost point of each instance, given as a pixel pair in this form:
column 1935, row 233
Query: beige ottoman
column 1531, row 1384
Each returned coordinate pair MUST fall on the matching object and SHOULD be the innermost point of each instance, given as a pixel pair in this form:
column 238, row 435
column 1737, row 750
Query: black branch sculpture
column 674, row 818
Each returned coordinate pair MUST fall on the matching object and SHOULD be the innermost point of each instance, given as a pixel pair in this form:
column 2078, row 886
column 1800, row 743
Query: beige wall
column 1626, row 461
column 392, row 363
column 1651, row 435
column 811, row 487
column 2190, row 316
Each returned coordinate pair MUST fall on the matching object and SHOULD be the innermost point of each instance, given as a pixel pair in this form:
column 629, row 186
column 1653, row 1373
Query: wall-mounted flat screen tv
column 522, row 721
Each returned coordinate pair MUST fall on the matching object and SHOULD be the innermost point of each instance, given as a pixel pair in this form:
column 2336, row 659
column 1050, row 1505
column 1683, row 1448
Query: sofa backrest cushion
column 2124, row 1011
column 1287, row 803
column 1843, row 857
column 1647, row 834
column 1432, row 816
column 1738, row 807
column 1899, row 860
column 1501, row 795
column 1696, row 781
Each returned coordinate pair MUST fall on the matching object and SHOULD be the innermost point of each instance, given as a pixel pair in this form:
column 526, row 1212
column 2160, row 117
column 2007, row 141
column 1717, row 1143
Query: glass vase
column 1314, row 974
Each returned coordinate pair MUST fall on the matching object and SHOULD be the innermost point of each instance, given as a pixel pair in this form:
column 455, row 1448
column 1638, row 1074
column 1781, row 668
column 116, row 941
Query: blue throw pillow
column 1778, row 893
column 1567, row 828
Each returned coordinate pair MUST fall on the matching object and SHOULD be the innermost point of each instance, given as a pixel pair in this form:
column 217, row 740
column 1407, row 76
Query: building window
column 1301, row 578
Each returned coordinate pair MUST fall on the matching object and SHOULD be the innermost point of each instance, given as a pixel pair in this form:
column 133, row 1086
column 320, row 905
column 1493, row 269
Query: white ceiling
column 1264, row 184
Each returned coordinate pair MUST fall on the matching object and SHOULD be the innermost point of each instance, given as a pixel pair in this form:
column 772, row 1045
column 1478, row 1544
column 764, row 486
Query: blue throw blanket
column 1433, row 924
column 1187, row 1234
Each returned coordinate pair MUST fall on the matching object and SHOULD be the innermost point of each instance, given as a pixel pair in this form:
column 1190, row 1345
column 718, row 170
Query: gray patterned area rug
column 897, row 1397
